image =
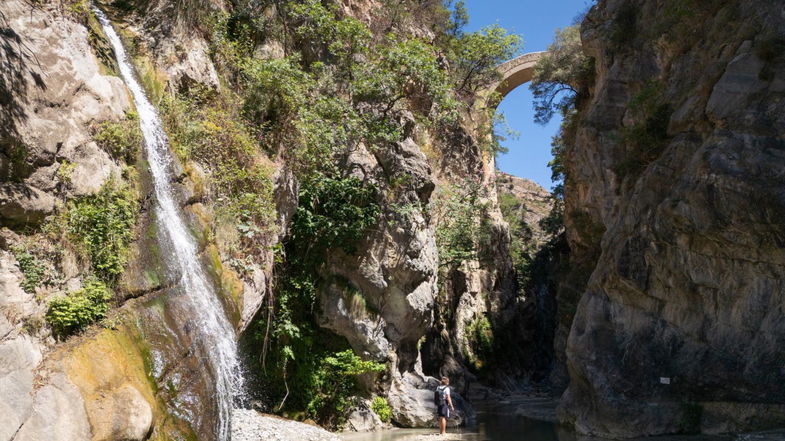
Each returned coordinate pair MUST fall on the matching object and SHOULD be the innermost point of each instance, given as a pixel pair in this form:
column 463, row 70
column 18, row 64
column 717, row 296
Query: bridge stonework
column 515, row 72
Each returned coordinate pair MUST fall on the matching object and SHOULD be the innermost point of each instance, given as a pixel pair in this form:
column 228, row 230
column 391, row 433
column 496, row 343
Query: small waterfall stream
column 212, row 330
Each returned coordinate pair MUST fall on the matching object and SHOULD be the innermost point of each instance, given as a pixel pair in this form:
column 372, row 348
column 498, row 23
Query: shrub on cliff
column 102, row 225
column 561, row 78
column 307, row 369
column 380, row 407
column 475, row 56
column 120, row 139
column 73, row 312
column 32, row 269
column 334, row 383
column 647, row 137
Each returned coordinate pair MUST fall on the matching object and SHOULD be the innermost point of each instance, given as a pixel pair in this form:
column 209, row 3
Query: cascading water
column 212, row 329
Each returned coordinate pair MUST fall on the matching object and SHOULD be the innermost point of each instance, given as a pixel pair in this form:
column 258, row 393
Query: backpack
column 440, row 395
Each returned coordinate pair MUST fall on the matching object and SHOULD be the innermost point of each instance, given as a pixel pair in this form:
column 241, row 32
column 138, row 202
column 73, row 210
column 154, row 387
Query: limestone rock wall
column 677, row 179
column 137, row 375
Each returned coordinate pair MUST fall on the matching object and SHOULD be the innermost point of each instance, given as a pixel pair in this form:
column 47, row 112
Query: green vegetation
column 476, row 56
column 339, row 85
column 334, row 85
column 334, row 213
column 648, row 136
column 121, row 139
column 559, row 74
column 463, row 225
column 479, row 334
column 334, row 382
column 307, row 369
column 71, row 313
column 32, row 268
column 522, row 249
column 678, row 19
column 207, row 129
column 380, row 407
column 560, row 82
column 102, row 225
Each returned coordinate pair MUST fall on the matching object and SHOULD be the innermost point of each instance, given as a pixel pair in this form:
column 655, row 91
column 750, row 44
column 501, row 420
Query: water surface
column 498, row 422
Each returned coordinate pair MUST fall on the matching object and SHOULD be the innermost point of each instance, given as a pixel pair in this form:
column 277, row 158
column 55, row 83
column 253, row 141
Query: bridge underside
column 516, row 72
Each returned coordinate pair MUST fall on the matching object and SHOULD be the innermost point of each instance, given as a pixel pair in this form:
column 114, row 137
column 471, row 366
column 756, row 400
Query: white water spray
column 213, row 331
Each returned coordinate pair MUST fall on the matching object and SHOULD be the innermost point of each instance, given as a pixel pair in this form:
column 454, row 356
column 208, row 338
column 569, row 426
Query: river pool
column 494, row 424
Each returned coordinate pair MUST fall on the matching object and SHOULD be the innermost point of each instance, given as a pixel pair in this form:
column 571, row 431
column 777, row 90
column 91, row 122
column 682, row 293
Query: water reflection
column 495, row 424
column 491, row 426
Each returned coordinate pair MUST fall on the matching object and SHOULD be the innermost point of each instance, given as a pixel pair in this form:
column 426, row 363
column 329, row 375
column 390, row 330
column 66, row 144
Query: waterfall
column 213, row 331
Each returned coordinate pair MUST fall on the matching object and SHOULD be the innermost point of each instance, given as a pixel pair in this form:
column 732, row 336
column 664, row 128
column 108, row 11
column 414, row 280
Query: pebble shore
column 250, row 425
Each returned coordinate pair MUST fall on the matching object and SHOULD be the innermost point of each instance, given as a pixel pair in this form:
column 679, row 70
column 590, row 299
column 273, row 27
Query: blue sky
column 536, row 22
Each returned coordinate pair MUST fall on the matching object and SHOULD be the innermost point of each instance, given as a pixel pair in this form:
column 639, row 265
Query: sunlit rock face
column 53, row 90
column 139, row 375
column 680, row 327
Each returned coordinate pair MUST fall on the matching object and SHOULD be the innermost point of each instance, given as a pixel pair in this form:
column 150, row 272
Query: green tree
column 463, row 223
column 474, row 57
column 558, row 75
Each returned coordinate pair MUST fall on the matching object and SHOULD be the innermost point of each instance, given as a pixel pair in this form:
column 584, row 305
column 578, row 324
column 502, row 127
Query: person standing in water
column 444, row 407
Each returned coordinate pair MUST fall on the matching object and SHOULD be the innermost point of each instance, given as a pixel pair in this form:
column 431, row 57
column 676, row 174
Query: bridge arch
column 515, row 72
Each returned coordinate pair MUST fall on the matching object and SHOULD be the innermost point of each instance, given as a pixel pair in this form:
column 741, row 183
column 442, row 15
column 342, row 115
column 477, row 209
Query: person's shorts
column 443, row 411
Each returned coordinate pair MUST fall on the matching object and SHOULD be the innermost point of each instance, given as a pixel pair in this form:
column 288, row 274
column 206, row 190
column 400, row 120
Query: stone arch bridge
column 514, row 73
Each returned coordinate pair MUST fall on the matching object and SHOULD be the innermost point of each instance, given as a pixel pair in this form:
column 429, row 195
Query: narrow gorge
column 248, row 219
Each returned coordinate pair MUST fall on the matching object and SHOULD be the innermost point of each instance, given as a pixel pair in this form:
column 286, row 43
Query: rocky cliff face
column 676, row 179
column 65, row 109
column 136, row 376
column 674, row 217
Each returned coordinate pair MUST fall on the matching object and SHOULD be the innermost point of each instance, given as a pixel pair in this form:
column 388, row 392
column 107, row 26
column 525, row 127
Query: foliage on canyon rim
column 558, row 75
column 560, row 81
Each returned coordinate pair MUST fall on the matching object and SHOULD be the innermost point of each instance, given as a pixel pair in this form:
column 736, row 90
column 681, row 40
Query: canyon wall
column 137, row 374
column 676, row 180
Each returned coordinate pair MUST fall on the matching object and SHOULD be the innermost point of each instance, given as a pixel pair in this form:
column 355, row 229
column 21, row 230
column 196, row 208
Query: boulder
column 411, row 400
column 121, row 415
column 363, row 419
column 58, row 414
